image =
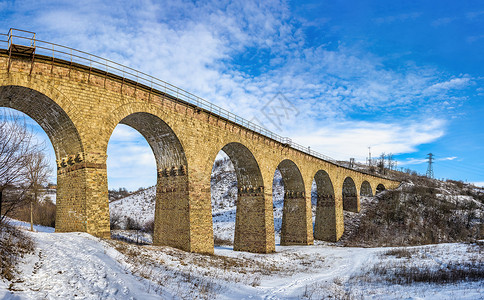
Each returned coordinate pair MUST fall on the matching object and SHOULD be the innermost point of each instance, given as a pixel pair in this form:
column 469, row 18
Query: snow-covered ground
column 80, row 266
column 73, row 266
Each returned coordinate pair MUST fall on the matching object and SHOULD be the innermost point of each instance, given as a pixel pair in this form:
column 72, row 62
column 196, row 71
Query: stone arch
column 120, row 113
column 166, row 146
column 71, row 214
column 325, row 223
column 172, row 192
column 296, row 212
column 365, row 189
column 250, row 221
column 351, row 201
column 58, row 126
column 380, row 188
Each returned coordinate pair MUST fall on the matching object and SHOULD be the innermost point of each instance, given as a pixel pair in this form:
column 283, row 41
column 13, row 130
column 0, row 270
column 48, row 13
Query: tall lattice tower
column 430, row 169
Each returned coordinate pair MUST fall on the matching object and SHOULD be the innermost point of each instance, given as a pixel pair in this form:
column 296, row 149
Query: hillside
column 421, row 211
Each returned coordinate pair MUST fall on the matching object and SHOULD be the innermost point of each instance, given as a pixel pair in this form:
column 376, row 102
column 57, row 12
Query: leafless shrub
column 17, row 152
column 13, row 245
column 450, row 273
column 399, row 252
column 115, row 221
column 149, row 227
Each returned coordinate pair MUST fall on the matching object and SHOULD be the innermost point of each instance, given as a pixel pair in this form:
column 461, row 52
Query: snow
column 139, row 206
column 74, row 266
column 80, row 266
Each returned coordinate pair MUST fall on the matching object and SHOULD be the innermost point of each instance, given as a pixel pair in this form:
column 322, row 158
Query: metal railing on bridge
column 19, row 40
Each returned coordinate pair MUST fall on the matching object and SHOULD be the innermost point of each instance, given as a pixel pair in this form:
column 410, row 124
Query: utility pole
column 430, row 170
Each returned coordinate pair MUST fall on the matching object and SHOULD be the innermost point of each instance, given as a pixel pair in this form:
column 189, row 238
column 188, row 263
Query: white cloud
column 342, row 140
column 131, row 162
column 454, row 83
column 447, row 158
column 241, row 54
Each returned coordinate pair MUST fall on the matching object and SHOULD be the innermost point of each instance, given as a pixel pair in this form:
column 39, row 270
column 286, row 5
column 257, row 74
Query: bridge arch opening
column 294, row 229
column 365, row 189
column 350, row 196
column 67, row 151
column 171, row 172
column 223, row 191
column 22, row 137
column 380, row 188
column 247, row 187
column 325, row 221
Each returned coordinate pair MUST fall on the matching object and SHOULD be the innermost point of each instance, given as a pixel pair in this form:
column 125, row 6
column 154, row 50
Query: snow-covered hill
column 139, row 206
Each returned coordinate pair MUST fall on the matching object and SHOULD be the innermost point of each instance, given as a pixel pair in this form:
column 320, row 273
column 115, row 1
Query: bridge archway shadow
column 68, row 150
column 351, row 200
column 365, row 189
column 250, row 223
column 295, row 212
column 380, row 188
column 325, row 221
column 172, row 179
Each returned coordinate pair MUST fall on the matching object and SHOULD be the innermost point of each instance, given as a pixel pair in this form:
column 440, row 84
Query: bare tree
column 16, row 146
column 381, row 163
column 37, row 173
column 390, row 161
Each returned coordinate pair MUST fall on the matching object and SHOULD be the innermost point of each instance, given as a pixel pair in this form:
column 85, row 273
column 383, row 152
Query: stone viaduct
column 79, row 106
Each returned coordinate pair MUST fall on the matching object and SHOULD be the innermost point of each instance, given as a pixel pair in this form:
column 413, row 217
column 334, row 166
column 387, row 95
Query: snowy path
column 75, row 266
column 340, row 263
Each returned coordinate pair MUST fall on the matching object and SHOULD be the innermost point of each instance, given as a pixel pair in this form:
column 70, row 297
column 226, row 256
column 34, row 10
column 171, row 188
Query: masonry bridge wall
column 79, row 111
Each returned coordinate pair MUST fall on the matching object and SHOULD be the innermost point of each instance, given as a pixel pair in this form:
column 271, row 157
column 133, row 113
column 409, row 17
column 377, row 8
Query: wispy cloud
column 343, row 140
column 417, row 161
column 241, row 54
column 398, row 18
column 128, row 150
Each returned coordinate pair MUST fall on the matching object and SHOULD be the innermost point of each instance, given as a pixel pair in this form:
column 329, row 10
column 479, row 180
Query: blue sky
column 398, row 76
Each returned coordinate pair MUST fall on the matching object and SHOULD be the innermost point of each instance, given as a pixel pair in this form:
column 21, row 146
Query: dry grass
column 14, row 244
column 413, row 216
column 43, row 213
column 400, row 273
column 425, row 265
